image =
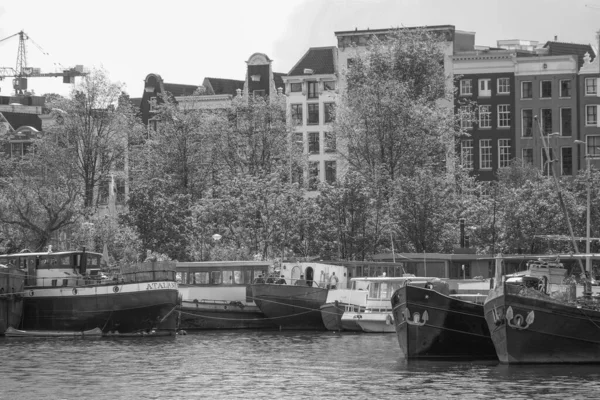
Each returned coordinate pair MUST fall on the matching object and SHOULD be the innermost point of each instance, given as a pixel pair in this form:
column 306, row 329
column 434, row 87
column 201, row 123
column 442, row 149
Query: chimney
column 555, row 38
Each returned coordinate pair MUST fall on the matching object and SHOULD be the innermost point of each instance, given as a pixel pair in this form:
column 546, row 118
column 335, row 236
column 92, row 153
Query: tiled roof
column 277, row 78
column 319, row 59
column 222, row 86
column 561, row 49
column 178, row 89
column 17, row 120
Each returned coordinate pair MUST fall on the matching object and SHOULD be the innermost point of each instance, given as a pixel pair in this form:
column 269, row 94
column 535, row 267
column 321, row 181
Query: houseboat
column 66, row 292
column 12, row 283
column 297, row 303
column 218, row 295
column 373, row 310
column 533, row 319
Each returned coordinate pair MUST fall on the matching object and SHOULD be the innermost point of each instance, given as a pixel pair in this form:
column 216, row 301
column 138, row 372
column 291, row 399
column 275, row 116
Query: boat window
column 228, row 277
column 93, row 261
column 65, row 282
column 200, row 278
column 181, row 277
column 238, row 277
column 247, row 276
column 65, row 260
column 374, row 290
column 215, row 278
column 54, row 282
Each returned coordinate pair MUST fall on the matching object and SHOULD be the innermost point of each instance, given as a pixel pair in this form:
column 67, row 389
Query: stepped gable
column 562, row 49
column 320, row 59
column 215, row 86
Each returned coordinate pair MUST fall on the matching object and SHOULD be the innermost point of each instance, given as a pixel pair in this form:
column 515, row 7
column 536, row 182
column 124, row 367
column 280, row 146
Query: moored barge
column 66, row 292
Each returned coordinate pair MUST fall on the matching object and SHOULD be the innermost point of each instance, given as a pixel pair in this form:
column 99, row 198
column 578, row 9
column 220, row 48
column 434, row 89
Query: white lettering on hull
column 161, row 285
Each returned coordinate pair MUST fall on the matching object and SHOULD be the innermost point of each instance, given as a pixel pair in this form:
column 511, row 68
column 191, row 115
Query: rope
column 243, row 319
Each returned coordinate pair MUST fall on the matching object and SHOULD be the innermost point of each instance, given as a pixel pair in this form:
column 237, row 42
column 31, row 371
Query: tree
column 89, row 123
column 391, row 120
column 40, row 192
column 256, row 215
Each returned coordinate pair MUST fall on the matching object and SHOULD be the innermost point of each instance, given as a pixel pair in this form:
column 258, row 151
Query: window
column 565, row 88
column 295, row 87
column 328, row 85
column 503, row 153
column 465, row 118
column 297, row 114
column 330, row 168
column 298, row 175
column 545, row 164
column 466, row 89
column 259, row 93
column 228, row 277
column 466, row 153
column 546, row 121
column 593, row 146
column 484, row 87
column 313, row 175
column 503, row 85
column 485, row 117
column 216, row 278
column 485, row 154
column 299, row 142
column 566, row 161
column 103, row 192
column 545, row 89
column 328, row 108
column 330, row 142
column 527, row 123
column 527, row 156
column 119, row 189
column 312, row 90
column 313, row 142
column 591, row 87
column 591, row 115
column 313, row 114
column 504, row 116
column 526, row 90
column 19, row 149
column 152, row 104
column 565, row 122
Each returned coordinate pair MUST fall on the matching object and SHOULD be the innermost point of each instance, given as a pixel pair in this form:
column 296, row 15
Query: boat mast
column 558, row 191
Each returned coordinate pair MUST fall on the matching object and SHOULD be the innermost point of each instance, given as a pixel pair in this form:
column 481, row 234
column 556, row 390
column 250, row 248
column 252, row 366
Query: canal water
column 267, row 365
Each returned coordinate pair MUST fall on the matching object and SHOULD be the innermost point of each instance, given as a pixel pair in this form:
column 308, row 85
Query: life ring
column 389, row 320
column 31, row 292
column 74, row 290
column 115, row 289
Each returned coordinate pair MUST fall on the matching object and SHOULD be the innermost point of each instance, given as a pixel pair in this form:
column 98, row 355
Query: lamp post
column 588, row 260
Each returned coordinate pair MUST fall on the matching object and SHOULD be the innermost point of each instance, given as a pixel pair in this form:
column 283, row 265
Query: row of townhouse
column 516, row 89
column 523, row 97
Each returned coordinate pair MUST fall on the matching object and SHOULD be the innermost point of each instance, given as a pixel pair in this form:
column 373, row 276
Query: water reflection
column 271, row 364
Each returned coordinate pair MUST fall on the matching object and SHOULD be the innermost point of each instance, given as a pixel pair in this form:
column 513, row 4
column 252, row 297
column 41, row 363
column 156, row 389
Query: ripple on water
column 266, row 364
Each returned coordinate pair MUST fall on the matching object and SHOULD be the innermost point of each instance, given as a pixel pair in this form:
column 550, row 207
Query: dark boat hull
column 124, row 308
column 331, row 314
column 540, row 330
column 199, row 316
column 12, row 282
column 291, row 307
column 430, row 325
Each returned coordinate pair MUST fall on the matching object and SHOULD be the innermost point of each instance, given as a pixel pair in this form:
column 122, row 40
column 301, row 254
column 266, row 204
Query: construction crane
column 22, row 71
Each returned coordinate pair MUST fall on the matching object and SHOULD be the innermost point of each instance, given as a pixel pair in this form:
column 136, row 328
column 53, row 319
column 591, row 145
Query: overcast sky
column 186, row 41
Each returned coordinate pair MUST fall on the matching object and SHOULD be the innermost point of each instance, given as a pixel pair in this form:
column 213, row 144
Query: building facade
column 589, row 100
column 485, row 90
column 546, row 98
column 311, row 87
